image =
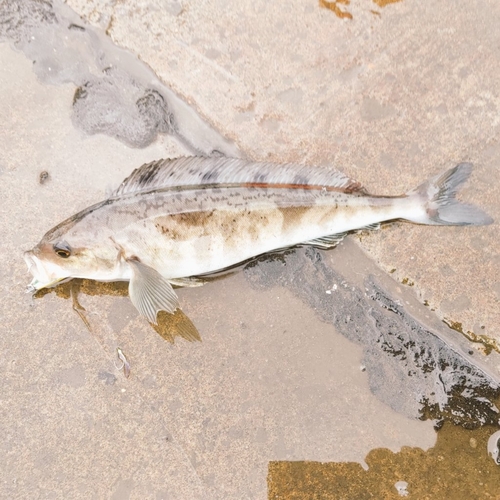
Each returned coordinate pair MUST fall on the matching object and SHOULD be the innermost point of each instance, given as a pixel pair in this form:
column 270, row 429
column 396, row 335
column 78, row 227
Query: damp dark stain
column 169, row 326
column 458, row 466
column 76, row 27
column 80, row 93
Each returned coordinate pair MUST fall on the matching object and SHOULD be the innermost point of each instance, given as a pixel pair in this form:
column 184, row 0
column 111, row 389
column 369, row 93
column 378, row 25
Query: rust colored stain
column 383, row 3
column 333, row 6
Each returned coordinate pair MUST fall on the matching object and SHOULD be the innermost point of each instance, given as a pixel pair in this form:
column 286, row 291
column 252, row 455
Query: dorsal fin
column 199, row 171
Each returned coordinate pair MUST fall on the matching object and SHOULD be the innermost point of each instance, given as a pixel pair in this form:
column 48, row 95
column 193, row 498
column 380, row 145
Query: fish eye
column 62, row 249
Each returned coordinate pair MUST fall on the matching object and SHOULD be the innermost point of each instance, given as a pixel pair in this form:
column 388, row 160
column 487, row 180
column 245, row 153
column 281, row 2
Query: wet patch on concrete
column 447, row 380
column 169, row 326
column 401, row 355
column 116, row 94
column 489, row 344
column 461, row 456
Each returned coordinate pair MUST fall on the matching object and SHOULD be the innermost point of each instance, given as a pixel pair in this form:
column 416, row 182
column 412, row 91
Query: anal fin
column 370, row 227
column 326, row 241
column 187, row 282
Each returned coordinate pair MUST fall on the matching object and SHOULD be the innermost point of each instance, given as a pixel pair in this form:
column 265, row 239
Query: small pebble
column 44, row 176
column 401, row 487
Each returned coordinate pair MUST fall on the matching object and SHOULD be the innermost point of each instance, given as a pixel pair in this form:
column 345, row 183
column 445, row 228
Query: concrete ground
column 390, row 95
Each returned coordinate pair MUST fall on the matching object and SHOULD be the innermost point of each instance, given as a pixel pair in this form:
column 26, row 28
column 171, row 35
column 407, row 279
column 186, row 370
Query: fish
column 173, row 221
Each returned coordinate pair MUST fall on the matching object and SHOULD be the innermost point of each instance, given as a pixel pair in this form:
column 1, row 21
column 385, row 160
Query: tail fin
column 438, row 197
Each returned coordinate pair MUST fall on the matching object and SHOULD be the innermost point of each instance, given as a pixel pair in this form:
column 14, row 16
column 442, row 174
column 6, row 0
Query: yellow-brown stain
column 407, row 281
column 489, row 344
column 176, row 325
column 169, row 326
column 383, row 3
column 334, row 6
column 457, row 467
column 185, row 226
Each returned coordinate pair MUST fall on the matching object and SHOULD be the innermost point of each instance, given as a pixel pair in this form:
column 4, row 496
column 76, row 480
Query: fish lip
column 29, row 259
column 35, row 267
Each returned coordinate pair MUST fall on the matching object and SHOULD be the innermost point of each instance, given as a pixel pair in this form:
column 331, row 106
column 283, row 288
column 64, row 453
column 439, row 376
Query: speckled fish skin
column 173, row 219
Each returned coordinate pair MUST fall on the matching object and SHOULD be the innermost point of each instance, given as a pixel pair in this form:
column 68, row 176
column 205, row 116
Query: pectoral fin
column 150, row 292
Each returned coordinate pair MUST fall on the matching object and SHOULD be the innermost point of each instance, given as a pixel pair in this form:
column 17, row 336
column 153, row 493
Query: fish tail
column 437, row 198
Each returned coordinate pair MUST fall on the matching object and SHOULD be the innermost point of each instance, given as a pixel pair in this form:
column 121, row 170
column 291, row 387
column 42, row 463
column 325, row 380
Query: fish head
column 57, row 259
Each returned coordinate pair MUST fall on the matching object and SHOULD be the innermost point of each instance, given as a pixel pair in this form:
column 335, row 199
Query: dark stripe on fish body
column 352, row 188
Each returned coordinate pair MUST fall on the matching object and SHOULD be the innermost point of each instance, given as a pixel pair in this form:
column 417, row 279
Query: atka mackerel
column 175, row 219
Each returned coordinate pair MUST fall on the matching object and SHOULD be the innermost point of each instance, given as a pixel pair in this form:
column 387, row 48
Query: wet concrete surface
column 392, row 96
column 456, row 467
column 305, row 357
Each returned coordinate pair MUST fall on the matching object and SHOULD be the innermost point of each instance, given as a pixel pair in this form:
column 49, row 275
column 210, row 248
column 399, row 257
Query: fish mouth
column 41, row 279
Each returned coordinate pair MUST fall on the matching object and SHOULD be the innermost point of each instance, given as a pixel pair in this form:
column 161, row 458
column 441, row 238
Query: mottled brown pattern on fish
column 233, row 225
column 192, row 216
column 185, row 226
column 293, row 216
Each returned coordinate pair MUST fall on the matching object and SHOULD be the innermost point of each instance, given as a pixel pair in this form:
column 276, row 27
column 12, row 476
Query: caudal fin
column 438, row 198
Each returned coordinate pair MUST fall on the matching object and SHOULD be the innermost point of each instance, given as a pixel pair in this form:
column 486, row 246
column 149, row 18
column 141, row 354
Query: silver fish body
column 173, row 219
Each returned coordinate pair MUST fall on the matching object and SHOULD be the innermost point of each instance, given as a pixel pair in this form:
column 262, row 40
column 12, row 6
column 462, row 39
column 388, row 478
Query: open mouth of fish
column 41, row 278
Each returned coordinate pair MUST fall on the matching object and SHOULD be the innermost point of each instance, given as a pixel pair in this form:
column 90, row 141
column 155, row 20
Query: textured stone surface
column 193, row 421
column 390, row 98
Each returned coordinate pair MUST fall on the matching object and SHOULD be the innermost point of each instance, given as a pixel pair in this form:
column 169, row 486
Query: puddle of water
column 406, row 349
column 268, row 381
column 458, row 466
column 274, row 379
column 293, row 350
column 116, row 94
